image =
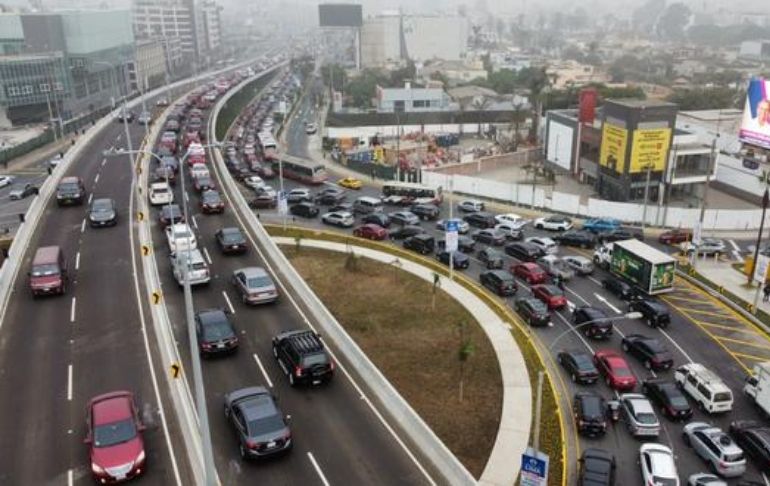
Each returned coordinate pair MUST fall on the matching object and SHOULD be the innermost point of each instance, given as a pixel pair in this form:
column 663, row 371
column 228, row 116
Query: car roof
column 230, row 230
column 210, row 316
column 253, row 271
column 257, row 406
column 69, row 180
column 111, row 407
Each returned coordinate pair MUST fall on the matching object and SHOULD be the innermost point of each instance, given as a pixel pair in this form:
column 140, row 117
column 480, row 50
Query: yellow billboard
column 612, row 153
column 649, row 149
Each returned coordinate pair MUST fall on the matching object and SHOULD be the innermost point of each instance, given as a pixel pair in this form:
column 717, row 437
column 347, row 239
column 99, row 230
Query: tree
column 335, row 73
column 399, row 76
column 706, row 98
column 480, row 103
column 464, row 353
column 672, row 22
column 519, row 117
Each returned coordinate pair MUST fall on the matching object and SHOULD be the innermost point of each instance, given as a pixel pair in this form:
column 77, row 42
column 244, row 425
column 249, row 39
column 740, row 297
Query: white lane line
column 72, row 309
column 318, row 469
column 90, row 198
column 607, row 302
column 676, row 345
column 83, row 226
column 595, row 281
column 229, row 304
column 194, row 221
column 96, row 179
column 70, row 478
column 735, row 245
column 617, row 330
column 576, row 295
column 69, row 382
column 262, row 369
column 576, row 332
column 104, row 161
column 118, row 139
column 186, row 197
column 208, row 257
column 77, row 261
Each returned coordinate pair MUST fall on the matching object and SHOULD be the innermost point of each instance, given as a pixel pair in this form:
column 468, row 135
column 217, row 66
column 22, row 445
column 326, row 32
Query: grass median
column 552, row 430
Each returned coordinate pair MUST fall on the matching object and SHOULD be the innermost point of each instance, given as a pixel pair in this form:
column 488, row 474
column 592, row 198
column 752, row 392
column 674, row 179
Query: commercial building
column 148, row 70
column 409, row 99
column 210, row 27
column 755, row 50
column 382, row 41
column 435, row 37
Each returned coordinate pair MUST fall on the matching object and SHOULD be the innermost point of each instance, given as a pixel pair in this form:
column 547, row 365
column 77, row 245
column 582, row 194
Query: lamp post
column 765, row 202
column 648, row 167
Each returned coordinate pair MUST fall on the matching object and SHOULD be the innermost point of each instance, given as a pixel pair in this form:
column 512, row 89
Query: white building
column 210, row 27
column 456, row 72
column 148, row 70
column 381, row 41
column 435, row 37
column 756, row 50
column 408, row 99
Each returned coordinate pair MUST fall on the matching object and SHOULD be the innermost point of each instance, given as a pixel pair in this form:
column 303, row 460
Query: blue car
column 599, row 225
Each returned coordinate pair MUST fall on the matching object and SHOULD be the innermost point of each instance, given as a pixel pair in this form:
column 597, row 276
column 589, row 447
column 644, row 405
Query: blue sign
column 533, row 465
column 452, row 226
column 534, row 468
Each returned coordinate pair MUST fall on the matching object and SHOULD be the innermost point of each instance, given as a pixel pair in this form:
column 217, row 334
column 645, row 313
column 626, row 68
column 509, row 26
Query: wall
column 391, row 130
column 560, row 141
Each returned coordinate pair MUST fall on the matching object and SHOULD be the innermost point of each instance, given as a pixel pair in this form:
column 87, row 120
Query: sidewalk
column 513, row 434
column 723, row 274
column 38, row 155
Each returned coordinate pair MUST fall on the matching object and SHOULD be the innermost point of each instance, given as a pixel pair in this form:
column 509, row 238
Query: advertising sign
column 283, row 203
column 451, row 237
column 587, row 105
column 650, row 149
column 755, row 126
column 534, row 468
column 613, row 150
column 662, row 277
column 760, row 269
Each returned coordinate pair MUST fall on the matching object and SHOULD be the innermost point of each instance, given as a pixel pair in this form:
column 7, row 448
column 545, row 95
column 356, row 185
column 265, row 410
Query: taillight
column 298, row 371
column 252, row 444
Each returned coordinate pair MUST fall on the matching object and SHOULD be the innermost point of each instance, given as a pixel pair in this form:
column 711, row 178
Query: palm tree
column 480, row 103
column 519, row 116
column 537, row 84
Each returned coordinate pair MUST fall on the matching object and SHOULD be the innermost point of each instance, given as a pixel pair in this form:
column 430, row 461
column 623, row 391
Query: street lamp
column 765, row 202
column 649, row 168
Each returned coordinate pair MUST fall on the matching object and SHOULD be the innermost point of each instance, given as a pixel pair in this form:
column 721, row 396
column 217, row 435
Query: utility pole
column 646, row 196
column 712, row 161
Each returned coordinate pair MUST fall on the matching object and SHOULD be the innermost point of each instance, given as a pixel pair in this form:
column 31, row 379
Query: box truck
column 649, row 269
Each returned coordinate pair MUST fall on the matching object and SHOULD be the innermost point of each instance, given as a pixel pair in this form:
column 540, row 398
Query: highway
column 702, row 330
column 339, row 436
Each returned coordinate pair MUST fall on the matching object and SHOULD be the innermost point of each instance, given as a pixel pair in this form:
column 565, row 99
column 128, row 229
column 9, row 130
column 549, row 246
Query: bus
column 411, row 193
column 302, row 170
column 267, row 145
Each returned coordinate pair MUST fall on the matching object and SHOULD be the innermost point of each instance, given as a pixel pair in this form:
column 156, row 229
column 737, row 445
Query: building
column 172, row 50
column 572, row 73
column 59, row 65
column 510, row 60
column 155, row 19
column 382, row 41
column 455, row 72
column 435, row 37
column 210, row 28
column 755, row 50
column 148, row 71
column 409, row 99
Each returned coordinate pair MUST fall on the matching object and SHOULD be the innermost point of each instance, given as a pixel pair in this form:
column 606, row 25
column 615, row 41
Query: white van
column 160, row 193
column 705, row 387
column 367, row 205
column 197, row 270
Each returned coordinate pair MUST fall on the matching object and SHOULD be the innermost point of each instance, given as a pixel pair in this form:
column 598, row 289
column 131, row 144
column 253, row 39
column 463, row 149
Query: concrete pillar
column 5, row 122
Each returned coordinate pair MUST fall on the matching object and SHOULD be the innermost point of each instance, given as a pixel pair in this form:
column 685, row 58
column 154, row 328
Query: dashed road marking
column 72, row 309
column 83, row 226
column 318, row 469
column 262, row 369
column 77, row 261
column 69, row 382
column 206, row 253
column 229, row 304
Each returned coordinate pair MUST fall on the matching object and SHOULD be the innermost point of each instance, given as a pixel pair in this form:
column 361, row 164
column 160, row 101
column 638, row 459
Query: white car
column 462, row 226
column 266, row 191
column 253, row 181
column 707, row 246
column 513, row 220
column 199, row 170
column 553, row 223
column 658, row 465
column 310, row 128
column 471, row 206
column 180, row 237
column 299, row 195
column 510, row 230
column 544, row 243
column 160, row 193
column 705, row 479
column 6, row 180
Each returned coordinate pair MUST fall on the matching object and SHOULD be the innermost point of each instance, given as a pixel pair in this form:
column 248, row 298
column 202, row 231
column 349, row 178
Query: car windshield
column 266, row 425
column 538, row 306
column 159, row 190
column 646, row 418
column 258, row 282
column 181, row 234
column 45, row 270
column 621, row 371
column 101, row 207
column 232, row 237
column 211, row 197
column 114, row 433
column 314, row 359
column 215, row 331
column 68, row 187
column 722, row 397
column 582, row 361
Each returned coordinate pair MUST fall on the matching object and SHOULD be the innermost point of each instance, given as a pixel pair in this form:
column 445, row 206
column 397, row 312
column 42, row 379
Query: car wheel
column 539, row 226
column 686, row 440
column 680, row 385
column 644, row 389
column 291, row 379
column 227, row 412
column 702, row 407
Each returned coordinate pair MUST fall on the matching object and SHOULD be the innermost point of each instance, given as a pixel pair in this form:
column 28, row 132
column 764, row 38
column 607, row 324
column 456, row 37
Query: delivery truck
column 757, row 386
column 647, row 268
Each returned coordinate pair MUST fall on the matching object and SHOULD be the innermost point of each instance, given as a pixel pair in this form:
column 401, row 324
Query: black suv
column 655, row 313
column 304, row 209
column 425, row 211
column 422, row 243
column 500, row 282
column 579, row 365
column 597, row 468
column 70, row 191
column 261, row 428
column 532, row 310
column 670, row 399
column 619, row 234
column 523, row 251
column 460, row 260
column 590, row 412
column 380, row 219
column 302, row 356
column 330, row 196
column 481, row 220
column 583, row 239
column 600, row 328
column 620, row 288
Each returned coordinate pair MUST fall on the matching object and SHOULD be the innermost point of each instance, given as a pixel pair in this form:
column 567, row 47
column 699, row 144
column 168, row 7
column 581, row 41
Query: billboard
column 587, row 105
column 650, row 148
column 612, row 153
column 755, row 126
column 340, row 15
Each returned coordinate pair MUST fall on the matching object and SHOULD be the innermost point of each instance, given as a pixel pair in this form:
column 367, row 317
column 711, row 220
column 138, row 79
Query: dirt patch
column 391, row 316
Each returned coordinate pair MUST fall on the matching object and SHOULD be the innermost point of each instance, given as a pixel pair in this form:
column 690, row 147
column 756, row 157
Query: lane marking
column 206, row 252
column 70, row 478
column 719, row 326
column 576, row 295
column 735, row 245
column 575, row 331
column 608, row 303
column 118, row 139
column 595, row 281
column 745, row 343
column 69, row 382
column 262, row 369
column 104, row 161
column 72, row 309
column 77, row 261
column 90, row 198
column 677, row 346
column 318, row 469
column 194, row 221
column 83, row 226
column 96, row 179
column 750, row 356
column 229, row 304
column 186, row 197
column 709, row 313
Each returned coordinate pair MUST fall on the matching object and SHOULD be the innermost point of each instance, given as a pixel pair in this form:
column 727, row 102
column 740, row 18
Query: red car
column 675, row 236
column 617, row 374
column 114, row 436
column 371, row 232
column 203, row 184
column 531, row 272
column 551, row 295
column 211, row 202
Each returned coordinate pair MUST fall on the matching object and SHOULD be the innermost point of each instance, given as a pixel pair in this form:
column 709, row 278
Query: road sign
column 283, row 203
column 760, row 269
column 534, row 468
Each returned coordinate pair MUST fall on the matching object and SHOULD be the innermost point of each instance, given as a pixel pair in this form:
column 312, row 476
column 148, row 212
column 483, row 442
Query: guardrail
column 399, row 411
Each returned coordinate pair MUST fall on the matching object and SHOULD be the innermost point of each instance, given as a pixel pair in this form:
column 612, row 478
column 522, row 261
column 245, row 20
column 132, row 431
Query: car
column 597, row 468
column 160, row 194
column 481, row 220
column 341, row 207
column 211, row 202
column 521, row 250
column 556, row 268
column 170, row 214
column 162, row 102
column 71, row 190
column 592, row 322
column 579, row 238
column 754, row 439
column 53, row 163
column 422, row 243
column 462, row 226
column 460, row 261
column 171, row 162
column 298, row 195
column 579, row 366
column 552, row 295
column 658, row 465
column 371, row 232
column 675, row 236
column 470, row 206
column 380, row 219
column 407, row 231
column 533, row 311
column 180, row 237
column 124, row 116
column 19, row 193
column 668, row 397
column 425, row 211
column 310, row 128
column 6, row 180
column 302, row 356
column 707, row 247
column 618, row 234
column 553, row 223
column 254, row 285
column 598, row 225
column 615, row 370
column 464, row 243
column 145, row 118
column 620, row 288
column 114, row 435
column 102, row 213
column 652, row 354
column 718, row 449
column 488, row 237
column 254, row 182
column 199, row 169
column 263, row 201
column 231, row 240
column 590, row 412
column 531, row 272
column 164, row 174
column 261, row 427
column 215, row 333
column 639, row 416
column 704, row 479
column 350, row 183
column 579, row 264
column 404, row 218
column 546, row 245
column 509, row 231
column 654, row 312
column 330, row 195
column 513, row 220
column 490, row 258
column 203, row 183
column 500, row 282
column 263, row 170
column 342, row 219
column 305, row 209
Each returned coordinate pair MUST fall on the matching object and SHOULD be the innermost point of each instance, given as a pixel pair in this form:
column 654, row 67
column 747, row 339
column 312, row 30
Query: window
column 45, row 87
column 13, row 91
column 27, row 89
column 418, row 104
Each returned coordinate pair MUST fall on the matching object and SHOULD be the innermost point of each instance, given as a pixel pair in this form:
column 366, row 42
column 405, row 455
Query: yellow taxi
column 350, row 183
